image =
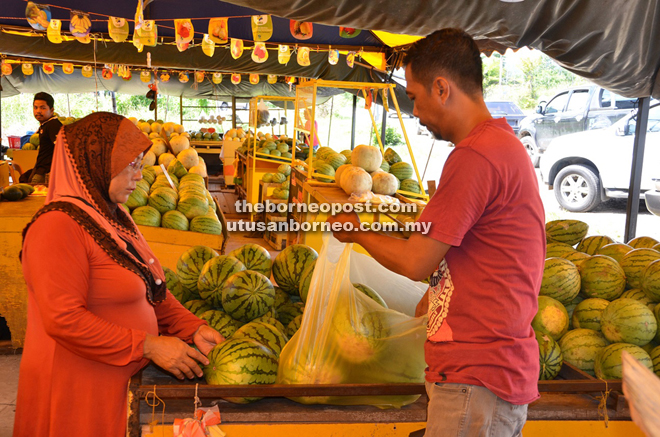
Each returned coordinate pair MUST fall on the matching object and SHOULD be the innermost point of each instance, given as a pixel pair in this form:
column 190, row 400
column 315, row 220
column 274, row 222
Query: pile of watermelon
column 282, row 177
column 597, row 299
column 275, row 148
column 185, row 206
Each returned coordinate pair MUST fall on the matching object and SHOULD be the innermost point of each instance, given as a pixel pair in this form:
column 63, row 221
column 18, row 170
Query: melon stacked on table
column 276, row 148
column 598, row 298
column 281, row 177
column 184, row 205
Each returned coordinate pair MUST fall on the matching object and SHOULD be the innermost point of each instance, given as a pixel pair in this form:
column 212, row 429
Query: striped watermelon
column 192, row 205
column 281, row 297
column 293, row 326
column 269, row 319
column 638, row 295
column 551, row 318
column 648, row 347
column 240, row 361
column 175, row 287
column 138, row 198
column 197, row 306
column 391, row 156
column 358, row 333
column 410, row 185
column 580, row 348
column 656, row 247
column 385, row 166
column 335, row 160
column 561, row 280
column 643, row 242
column 628, row 321
column 190, row 265
column 289, row 265
column 323, row 152
column 346, row 153
column 591, row 244
column 148, row 175
column 370, row 292
column 192, row 178
column 146, row 216
column 305, row 280
column 264, row 333
column 192, row 188
column 608, row 361
column 325, row 169
column 402, row 170
column 289, row 311
column 656, row 313
column 651, row 281
column 206, row 224
column 550, row 357
column 213, row 276
column 615, row 250
column 558, row 250
column 285, row 169
column 576, row 257
column 175, row 220
column 176, row 168
column 278, row 178
column 570, row 232
column 603, row 277
column 587, row 313
column 163, row 199
column 570, row 308
column 221, row 322
column 142, row 183
column 634, row 263
column 254, row 257
column 655, row 360
column 247, row 295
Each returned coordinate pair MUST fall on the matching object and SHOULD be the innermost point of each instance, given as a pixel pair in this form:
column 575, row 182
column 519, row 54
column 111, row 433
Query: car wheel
column 532, row 149
column 577, row 188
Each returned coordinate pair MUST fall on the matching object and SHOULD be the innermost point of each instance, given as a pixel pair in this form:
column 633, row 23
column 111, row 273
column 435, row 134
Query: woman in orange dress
column 97, row 299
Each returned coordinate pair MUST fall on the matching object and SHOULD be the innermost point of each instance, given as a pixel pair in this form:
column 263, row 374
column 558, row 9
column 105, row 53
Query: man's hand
column 206, row 338
column 174, row 355
column 345, row 217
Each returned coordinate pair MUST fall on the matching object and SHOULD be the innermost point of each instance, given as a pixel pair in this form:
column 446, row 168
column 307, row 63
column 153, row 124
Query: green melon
column 247, row 295
column 608, row 363
column 281, row 297
column 175, row 220
column 615, row 250
column 138, row 197
column 637, row 294
column 293, row 326
column 576, row 257
column 656, row 313
column 591, row 244
column 206, row 225
column 602, row 277
column 163, row 199
column 655, row 360
column 628, row 321
column 371, row 293
column 254, row 257
column 358, row 334
column 148, row 175
column 651, row 281
column 561, row 280
column 587, row 314
column 550, row 356
column 570, row 232
column 551, row 318
column 289, row 311
column 570, row 308
column 268, row 318
column 580, row 347
column 264, row 333
column 335, row 160
column 176, row 168
column 391, row 156
column 323, row 152
column 643, row 242
column 175, row 287
column 289, row 265
column 558, row 250
column 197, row 306
column 402, row 170
column 410, row 185
column 190, row 265
column 213, row 276
column 305, row 280
column 192, row 178
column 193, row 205
column 221, row 322
column 146, row 216
column 635, row 262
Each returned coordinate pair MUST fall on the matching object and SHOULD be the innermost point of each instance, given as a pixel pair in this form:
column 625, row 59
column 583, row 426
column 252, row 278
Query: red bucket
column 14, row 142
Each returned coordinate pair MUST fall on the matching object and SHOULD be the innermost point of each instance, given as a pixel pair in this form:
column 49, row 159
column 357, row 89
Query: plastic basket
column 14, row 142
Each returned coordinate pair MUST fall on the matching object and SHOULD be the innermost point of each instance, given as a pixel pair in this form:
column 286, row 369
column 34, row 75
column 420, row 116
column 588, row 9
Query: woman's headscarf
column 88, row 155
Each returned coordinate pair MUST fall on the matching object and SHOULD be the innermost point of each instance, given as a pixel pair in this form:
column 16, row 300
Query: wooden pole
column 332, row 107
column 353, row 124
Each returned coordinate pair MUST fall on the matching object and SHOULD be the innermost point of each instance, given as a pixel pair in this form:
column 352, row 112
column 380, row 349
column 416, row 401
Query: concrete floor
column 8, row 387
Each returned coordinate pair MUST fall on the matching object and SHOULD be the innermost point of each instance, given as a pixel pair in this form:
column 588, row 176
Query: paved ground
column 8, row 386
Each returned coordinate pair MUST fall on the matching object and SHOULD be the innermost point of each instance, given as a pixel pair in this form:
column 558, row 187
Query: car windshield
column 503, row 108
column 654, row 120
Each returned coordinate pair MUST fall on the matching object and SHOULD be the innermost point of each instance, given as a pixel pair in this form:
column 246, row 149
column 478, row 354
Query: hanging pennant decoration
column 87, row 71
column 138, row 44
column 6, row 69
column 333, row 56
column 128, row 76
column 236, row 48
column 183, row 77
column 235, row 78
column 80, row 24
column 67, row 68
column 84, row 39
column 219, row 30
column 259, row 53
column 184, row 33
column 118, row 29
column 290, row 80
column 208, row 45
column 147, row 34
column 303, row 56
column 139, row 15
column 301, row 29
column 350, row 59
column 199, row 76
column 369, row 98
column 48, row 68
column 283, row 54
column 216, row 78
column 145, row 76
column 27, row 69
column 349, row 32
column 254, row 79
column 38, row 16
column 262, row 27
column 165, row 77
column 386, row 105
column 54, row 32
column 272, row 78
column 106, row 73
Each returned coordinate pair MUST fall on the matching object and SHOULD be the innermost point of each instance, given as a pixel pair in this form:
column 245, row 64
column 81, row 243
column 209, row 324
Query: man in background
column 43, row 109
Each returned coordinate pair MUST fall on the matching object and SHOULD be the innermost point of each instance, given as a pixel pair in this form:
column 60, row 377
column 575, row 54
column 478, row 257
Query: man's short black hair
column 447, row 52
column 50, row 101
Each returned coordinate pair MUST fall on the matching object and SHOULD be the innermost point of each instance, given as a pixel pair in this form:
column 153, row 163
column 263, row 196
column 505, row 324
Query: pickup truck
column 577, row 109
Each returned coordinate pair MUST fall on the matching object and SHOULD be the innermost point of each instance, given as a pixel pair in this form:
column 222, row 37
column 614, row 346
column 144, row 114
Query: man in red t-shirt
column 484, row 251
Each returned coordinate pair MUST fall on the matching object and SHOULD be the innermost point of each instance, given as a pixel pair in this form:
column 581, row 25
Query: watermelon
column 587, row 314
column 192, row 205
column 197, row 306
column 241, row 361
column 643, row 242
column 411, row 186
column 648, row 347
column 254, row 257
column 175, row 287
column 206, row 225
column 656, row 313
column 576, row 257
column 402, row 170
column 289, row 265
column 558, row 250
column 192, row 178
column 655, row 360
column 146, row 216
column 305, row 280
column 148, row 175
column 628, row 321
column 550, row 356
column 138, row 197
column 163, row 199
column 551, row 318
column 176, row 168
column 269, row 319
column 615, row 250
column 324, row 169
column 221, row 322
column 637, row 294
column 608, row 361
column 561, row 280
column 324, row 151
column 635, row 262
column 335, row 160
column 370, row 292
column 264, row 333
column 289, row 311
column 190, row 265
column 213, row 276
column 651, row 281
column 580, row 348
column 285, row 169
column 278, row 178
column 293, row 326
column 391, row 156
column 281, row 297
column 570, row 232
column 603, row 277
column 357, row 332
column 175, row 220
column 570, row 308
column 247, row 295
column 591, row 244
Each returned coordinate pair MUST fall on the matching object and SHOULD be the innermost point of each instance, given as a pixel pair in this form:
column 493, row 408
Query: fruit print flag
column 145, row 76
column 262, row 27
column 87, row 71
column 208, row 45
column 67, row 68
column 303, row 56
column 350, row 59
column 219, row 30
column 235, row 78
column 283, row 54
column 184, row 33
column 147, row 34
column 54, row 32
column 259, row 53
column 333, row 56
column 118, row 29
column 183, row 77
column 301, row 29
column 38, row 16
column 27, row 69
column 5, row 69
column 216, row 78
column 48, row 68
column 80, row 24
column 349, row 32
column 254, row 79
column 272, row 78
column 165, row 77
column 199, row 76
column 236, row 48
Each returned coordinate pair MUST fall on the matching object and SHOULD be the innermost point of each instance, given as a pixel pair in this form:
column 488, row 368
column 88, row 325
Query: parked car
column 573, row 110
column 506, row 109
column 589, row 167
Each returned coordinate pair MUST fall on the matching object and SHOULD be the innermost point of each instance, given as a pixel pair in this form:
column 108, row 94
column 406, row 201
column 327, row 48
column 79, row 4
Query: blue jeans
column 462, row 410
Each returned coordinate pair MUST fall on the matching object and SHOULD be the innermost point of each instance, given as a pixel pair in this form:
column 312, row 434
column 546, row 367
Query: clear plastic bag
column 346, row 337
column 263, row 115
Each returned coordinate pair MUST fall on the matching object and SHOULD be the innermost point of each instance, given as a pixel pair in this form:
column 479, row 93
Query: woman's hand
column 206, row 338
column 174, row 355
